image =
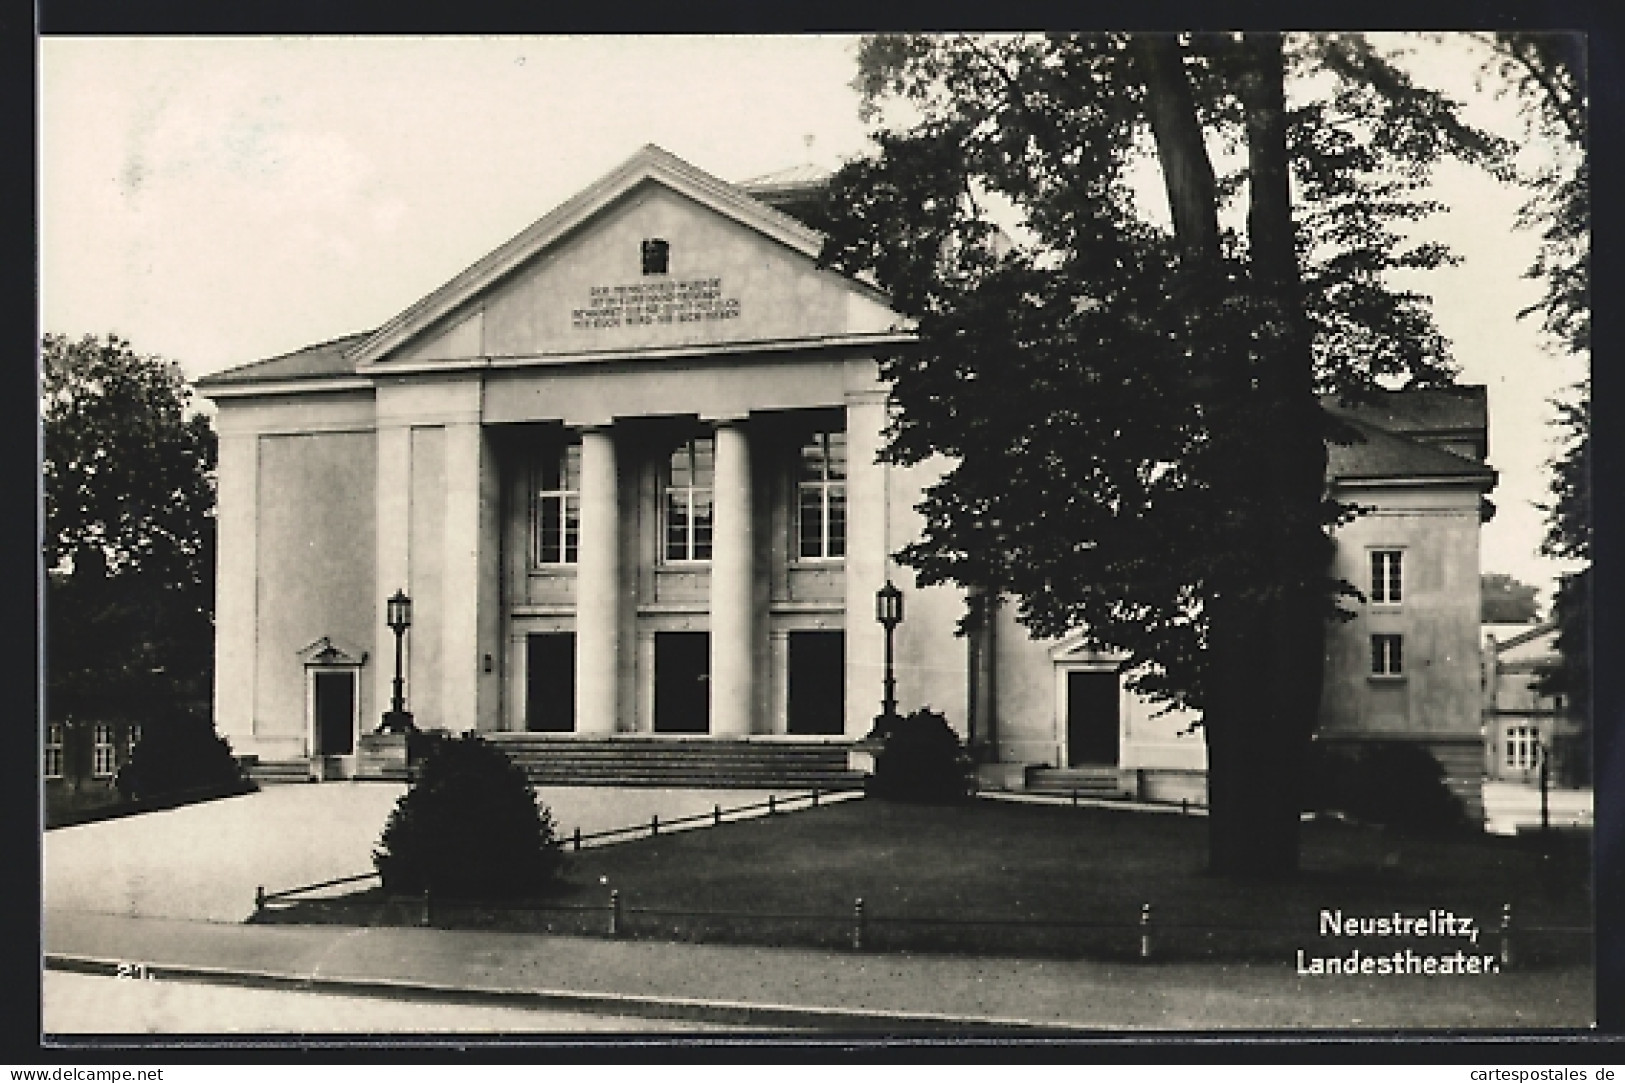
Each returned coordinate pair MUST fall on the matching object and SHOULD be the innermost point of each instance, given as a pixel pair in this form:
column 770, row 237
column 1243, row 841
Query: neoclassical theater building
column 625, row 469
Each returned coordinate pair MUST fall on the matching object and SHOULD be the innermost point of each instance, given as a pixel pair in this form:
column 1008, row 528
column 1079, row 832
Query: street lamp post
column 889, row 612
column 399, row 618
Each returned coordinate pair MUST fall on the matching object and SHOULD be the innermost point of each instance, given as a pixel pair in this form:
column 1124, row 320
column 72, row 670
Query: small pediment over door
column 326, row 652
column 1074, row 650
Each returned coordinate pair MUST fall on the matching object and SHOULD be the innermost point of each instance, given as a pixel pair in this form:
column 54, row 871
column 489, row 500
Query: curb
column 696, row 1009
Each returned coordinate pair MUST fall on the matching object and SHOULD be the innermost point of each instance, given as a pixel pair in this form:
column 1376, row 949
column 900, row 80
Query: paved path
column 795, row 988
column 203, row 861
column 83, row 1004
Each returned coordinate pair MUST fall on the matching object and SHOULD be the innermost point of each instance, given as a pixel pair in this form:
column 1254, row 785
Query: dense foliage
column 1504, row 600
column 129, row 534
column 179, row 756
column 1131, row 411
column 471, row 827
column 1396, row 784
column 922, row 760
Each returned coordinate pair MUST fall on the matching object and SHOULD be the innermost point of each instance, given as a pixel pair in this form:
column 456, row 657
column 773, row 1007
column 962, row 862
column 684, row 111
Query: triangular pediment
column 737, row 273
column 325, row 652
column 1075, row 648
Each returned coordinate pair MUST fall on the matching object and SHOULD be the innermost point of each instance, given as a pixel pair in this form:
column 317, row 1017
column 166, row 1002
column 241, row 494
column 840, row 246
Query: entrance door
column 335, row 712
column 1091, row 717
column 550, row 682
column 817, row 683
column 682, row 682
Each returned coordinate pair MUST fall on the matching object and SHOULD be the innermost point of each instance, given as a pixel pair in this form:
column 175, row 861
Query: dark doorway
column 335, row 712
column 550, row 682
column 682, row 682
column 817, row 683
column 1091, row 717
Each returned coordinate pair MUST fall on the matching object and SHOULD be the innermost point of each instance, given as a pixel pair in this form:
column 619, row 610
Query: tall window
column 688, row 484
column 1387, row 656
column 101, row 763
column 53, row 750
column 1385, row 575
column 821, row 497
column 558, row 505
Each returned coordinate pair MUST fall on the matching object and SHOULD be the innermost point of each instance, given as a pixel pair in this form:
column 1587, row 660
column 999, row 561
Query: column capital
column 729, row 420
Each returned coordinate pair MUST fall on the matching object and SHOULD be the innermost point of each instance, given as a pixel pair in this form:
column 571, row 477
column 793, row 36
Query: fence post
column 1506, row 934
column 815, row 797
column 424, row 916
column 259, row 898
column 857, row 925
column 770, row 804
column 654, row 825
column 1074, row 797
column 614, row 912
column 1182, row 803
column 1145, row 931
column 716, row 815
column 575, row 839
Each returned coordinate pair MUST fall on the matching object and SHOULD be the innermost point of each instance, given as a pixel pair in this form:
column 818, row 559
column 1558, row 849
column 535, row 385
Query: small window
column 557, row 526
column 101, row 762
column 656, row 256
column 53, row 750
column 1522, row 748
column 1387, row 656
column 133, row 735
column 1386, row 576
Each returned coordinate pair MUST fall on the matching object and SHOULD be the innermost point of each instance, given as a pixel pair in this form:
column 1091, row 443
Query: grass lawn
column 1006, row 878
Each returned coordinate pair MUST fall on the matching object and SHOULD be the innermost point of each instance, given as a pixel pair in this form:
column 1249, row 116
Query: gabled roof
column 1380, row 454
column 325, row 359
column 1424, row 410
column 649, row 165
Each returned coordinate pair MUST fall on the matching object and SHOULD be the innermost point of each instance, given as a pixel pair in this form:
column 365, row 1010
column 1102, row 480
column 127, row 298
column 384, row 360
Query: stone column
column 866, row 545
column 598, row 593
column 393, row 524
column 236, row 628
column 732, row 691
column 469, row 580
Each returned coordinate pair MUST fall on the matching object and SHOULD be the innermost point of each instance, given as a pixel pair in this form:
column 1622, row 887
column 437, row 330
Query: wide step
column 707, row 764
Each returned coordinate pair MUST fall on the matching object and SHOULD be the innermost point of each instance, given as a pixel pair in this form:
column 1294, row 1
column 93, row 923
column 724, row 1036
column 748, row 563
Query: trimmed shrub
column 923, row 761
column 1395, row 783
column 469, row 827
column 178, row 756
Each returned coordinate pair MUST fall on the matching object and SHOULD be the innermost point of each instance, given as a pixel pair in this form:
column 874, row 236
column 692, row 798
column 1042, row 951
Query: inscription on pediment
column 682, row 301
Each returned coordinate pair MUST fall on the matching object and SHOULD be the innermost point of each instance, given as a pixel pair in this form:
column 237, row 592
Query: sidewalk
column 796, row 989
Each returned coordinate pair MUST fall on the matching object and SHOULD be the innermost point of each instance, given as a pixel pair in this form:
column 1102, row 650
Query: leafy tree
column 1504, row 600
column 1547, row 73
column 129, row 534
column 1132, row 413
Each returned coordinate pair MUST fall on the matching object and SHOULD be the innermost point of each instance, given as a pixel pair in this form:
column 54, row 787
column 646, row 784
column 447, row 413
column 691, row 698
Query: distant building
column 625, row 468
column 1519, row 720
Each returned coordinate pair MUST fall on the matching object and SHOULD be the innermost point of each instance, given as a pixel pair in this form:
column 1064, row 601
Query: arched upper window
column 558, row 505
column 687, row 486
column 821, row 497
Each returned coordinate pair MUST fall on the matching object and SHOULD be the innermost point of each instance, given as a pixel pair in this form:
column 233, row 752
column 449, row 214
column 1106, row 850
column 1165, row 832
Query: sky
column 222, row 200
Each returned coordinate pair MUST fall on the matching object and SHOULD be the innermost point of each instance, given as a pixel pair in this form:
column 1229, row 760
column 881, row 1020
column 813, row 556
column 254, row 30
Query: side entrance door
column 1092, row 699
column 334, row 695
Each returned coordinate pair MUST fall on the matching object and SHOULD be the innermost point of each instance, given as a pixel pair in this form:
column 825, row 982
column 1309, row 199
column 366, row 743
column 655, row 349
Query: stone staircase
column 276, row 772
column 1091, row 782
column 701, row 763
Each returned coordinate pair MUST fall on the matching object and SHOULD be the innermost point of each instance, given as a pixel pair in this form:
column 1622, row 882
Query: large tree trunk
column 1266, row 632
